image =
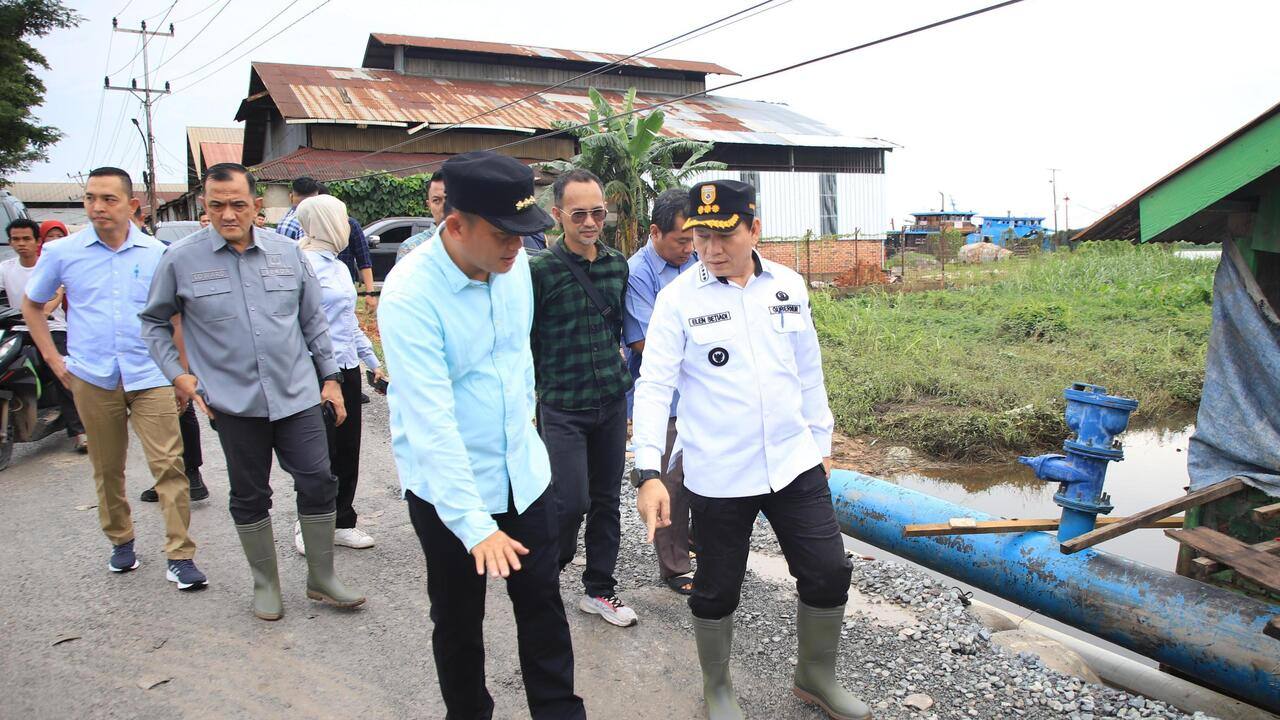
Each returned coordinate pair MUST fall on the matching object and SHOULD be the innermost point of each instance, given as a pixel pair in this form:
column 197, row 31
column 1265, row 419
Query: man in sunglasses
column 579, row 290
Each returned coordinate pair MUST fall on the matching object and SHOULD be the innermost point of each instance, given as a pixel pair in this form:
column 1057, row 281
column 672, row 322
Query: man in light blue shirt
column 106, row 270
column 668, row 253
column 455, row 320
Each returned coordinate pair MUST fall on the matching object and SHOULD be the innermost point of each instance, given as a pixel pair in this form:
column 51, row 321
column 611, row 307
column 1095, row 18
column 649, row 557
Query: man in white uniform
column 734, row 336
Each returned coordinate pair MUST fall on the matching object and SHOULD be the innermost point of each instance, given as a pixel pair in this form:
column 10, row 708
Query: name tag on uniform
column 708, row 319
column 275, row 270
column 779, row 309
column 209, row 275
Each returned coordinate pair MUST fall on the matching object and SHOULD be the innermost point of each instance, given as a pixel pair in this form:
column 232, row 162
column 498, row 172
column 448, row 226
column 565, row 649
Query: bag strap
column 605, row 309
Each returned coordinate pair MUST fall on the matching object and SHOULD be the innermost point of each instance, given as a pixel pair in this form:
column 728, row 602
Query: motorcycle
column 29, row 407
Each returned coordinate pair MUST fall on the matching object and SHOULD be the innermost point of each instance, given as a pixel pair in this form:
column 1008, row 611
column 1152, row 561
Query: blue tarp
column 1238, row 428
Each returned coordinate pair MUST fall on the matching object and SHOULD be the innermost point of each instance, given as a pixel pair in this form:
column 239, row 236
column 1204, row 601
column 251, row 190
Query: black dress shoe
column 149, row 495
column 364, row 399
column 199, row 491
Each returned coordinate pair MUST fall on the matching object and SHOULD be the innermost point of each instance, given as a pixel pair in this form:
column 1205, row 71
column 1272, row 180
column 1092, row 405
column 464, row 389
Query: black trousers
column 457, row 596
column 65, row 400
column 189, row 424
column 344, row 448
column 300, row 446
column 588, row 449
column 804, row 520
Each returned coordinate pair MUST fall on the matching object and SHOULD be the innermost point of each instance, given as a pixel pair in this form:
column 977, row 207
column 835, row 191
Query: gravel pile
column 940, row 666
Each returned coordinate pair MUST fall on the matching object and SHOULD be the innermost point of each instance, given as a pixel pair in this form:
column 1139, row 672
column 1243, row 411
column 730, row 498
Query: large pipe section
column 1203, row 631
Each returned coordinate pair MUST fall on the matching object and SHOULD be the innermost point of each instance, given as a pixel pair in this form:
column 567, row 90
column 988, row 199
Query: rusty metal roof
column 72, row 193
column 533, row 51
column 197, row 136
column 306, row 93
column 214, row 153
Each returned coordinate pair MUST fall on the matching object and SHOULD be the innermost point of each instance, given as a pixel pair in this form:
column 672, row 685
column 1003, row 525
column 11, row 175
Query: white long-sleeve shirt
column 753, row 405
column 338, row 298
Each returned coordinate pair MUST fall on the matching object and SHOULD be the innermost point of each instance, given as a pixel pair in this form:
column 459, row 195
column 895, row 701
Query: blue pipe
column 1208, row 633
column 1095, row 419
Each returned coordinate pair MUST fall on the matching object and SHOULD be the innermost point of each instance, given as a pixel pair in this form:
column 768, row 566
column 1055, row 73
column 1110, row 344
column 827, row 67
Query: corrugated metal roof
column 534, row 51
column 214, row 153
column 310, row 93
column 196, row 136
column 70, row 192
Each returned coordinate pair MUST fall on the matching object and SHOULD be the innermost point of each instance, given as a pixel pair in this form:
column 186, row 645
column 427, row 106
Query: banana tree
column 633, row 160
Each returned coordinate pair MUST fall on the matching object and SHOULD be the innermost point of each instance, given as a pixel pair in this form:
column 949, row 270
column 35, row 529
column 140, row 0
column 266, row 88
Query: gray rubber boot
column 260, row 550
column 715, row 645
column 818, row 630
column 322, row 584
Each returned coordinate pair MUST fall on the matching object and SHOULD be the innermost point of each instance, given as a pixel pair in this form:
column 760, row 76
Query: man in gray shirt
column 256, row 341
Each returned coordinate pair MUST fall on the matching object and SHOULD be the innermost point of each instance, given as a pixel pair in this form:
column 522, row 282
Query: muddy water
column 1154, row 470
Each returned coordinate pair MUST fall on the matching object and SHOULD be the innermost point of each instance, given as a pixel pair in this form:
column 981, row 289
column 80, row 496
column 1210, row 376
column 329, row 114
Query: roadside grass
column 977, row 372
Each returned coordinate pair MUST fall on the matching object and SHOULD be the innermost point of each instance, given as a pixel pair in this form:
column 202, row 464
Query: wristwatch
column 640, row 477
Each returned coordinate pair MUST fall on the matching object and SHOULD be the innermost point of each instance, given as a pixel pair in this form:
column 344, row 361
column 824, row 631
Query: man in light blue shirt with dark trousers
column 668, row 253
column 455, row 320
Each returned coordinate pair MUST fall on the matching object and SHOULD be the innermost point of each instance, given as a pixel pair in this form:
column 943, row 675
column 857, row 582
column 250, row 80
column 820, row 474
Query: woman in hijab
column 51, row 230
column 325, row 227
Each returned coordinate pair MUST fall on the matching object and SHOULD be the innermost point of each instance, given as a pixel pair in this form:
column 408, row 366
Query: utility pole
column 146, row 92
column 1053, row 181
column 1066, row 208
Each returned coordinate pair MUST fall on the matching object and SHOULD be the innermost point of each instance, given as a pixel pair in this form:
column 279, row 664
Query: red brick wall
column 828, row 258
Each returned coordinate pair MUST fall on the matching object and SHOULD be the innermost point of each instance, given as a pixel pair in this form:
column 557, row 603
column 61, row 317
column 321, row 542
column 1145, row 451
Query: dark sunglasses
column 580, row 216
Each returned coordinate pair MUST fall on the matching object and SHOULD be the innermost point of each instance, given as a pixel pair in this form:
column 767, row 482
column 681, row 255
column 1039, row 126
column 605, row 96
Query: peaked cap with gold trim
column 497, row 188
column 721, row 205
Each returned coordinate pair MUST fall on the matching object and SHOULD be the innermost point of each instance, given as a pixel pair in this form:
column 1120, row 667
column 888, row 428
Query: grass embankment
column 978, row 372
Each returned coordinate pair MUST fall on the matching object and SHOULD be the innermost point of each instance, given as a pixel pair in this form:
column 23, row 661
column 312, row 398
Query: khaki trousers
column 106, row 415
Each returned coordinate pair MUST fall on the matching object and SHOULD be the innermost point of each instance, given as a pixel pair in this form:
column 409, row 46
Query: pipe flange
column 1102, row 453
column 1099, row 507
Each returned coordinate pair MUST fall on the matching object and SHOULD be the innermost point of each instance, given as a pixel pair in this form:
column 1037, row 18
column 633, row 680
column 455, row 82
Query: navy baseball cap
column 721, row 205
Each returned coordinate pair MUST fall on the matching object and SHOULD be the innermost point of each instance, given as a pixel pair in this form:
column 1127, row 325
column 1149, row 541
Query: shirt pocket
column 786, row 317
column 139, row 288
column 211, row 300
column 282, row 293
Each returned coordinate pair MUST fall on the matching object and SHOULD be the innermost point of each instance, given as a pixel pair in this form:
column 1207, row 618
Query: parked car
column 11, row 208
column 385, row 236
column 174, row 230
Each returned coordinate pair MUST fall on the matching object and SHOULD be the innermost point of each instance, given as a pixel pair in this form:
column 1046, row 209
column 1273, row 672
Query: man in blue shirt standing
column 455, row 322
column 668, row 253
column 106, row 270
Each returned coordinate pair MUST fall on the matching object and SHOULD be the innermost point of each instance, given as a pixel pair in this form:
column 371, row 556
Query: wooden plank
column 1246, row 561
column 1163, row 510
column 1273, row 628
column 1265, row 513
column 1209, row 565
column 969, row 526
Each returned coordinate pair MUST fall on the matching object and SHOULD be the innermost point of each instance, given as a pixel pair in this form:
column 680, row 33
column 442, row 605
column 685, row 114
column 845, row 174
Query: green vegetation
column 380, row 196
column 978, row 372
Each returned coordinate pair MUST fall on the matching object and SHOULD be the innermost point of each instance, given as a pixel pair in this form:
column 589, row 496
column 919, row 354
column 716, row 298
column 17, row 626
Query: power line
column 243, row 41
column 198, row 13
column 590, row 73
column 145, row 39
column 198, row 33
column 735, row 83
column 102, row 98
column 233, row 60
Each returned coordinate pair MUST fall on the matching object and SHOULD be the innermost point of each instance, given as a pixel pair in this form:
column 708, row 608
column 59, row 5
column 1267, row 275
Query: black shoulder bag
column 606, row 310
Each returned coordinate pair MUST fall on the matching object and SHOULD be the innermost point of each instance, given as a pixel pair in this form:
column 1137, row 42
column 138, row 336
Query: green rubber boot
column 715, row 645
column 322, row 584
column 260, row 550
column 818, row 630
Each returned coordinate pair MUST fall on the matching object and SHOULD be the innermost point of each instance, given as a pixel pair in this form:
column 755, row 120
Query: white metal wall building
column 836, row 203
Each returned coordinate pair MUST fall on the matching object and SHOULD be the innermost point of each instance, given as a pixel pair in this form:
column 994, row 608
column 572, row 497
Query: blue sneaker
column 122, row 558
column 186, row 575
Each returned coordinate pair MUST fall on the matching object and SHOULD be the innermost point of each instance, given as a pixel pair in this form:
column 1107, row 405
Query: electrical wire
column 735, row 83
column 196, row 35
column 595, row 71
column 243, row 41
column 198, row 13
column 146, row 38
column 102, row 100
column 124, row 104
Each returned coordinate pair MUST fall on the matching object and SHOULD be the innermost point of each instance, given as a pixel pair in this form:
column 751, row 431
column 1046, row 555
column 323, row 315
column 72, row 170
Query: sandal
column 682, row 584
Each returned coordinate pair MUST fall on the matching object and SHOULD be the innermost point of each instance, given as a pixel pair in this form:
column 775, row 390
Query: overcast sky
column 1115, row 93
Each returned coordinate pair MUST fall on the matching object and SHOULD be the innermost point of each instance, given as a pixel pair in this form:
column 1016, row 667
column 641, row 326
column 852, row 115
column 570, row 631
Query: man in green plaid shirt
column 582, row 384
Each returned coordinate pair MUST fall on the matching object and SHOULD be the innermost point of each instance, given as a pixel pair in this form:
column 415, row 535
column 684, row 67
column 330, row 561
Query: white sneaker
column 610, row 608
column 297, row 539
column 352, row 538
